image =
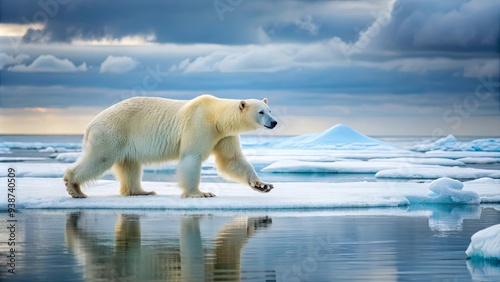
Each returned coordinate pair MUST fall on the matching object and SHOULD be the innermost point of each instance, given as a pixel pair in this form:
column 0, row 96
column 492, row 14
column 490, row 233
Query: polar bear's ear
column 243, row 104
column 265, row 100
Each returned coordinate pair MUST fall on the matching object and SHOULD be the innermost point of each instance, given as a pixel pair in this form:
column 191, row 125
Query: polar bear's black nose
column 273, row 124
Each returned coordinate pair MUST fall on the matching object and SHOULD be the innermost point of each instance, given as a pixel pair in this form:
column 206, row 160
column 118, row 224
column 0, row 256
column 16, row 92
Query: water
column 356, row 244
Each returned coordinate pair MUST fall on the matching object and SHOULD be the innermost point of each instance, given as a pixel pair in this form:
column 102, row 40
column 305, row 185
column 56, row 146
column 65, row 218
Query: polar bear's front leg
column 232, row 164
column 188, row 172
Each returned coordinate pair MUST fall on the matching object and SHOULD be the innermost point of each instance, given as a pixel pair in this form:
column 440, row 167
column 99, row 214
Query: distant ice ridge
column 384, row 169
column 40, row 146
column 485, row 244
column 450, row 143
column 338, row 137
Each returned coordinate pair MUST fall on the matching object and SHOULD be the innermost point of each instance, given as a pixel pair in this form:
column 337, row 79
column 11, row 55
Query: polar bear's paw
column 74, row 190
column 261, row 186
column 140, row 193
column 199, row 194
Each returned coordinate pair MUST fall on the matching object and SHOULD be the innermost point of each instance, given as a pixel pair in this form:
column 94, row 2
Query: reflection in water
column 484, row 270
column 448, row 218
column 188, row 260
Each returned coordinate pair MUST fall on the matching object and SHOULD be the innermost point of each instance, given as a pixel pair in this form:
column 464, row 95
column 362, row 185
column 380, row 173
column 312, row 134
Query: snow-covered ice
column 485, row 244
column 48, row 193
column 412, row 172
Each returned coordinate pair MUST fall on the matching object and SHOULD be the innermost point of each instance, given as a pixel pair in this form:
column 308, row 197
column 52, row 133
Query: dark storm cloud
column 442, row 26
column 190, row 21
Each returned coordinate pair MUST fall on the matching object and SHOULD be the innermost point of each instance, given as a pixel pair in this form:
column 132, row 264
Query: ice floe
column 447, row 191
column 485, row 244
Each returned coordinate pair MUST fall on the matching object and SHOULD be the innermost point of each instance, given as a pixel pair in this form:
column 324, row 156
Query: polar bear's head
column 258, row 113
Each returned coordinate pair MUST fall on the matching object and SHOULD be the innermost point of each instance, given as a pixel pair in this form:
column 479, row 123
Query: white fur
column 149, row 130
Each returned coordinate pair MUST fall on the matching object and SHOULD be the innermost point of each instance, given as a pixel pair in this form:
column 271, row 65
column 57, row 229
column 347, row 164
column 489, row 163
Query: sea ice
column 483, row 160
column 424, row 161
column 292, row 166
column 412, row 172
column 68, row 157
column 485, row 244
column 104, row 194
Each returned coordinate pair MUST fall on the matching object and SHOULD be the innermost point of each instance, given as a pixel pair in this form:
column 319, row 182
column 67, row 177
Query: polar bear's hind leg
column 130, row 174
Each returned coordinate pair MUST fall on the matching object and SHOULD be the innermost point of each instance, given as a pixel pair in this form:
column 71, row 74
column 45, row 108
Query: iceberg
column 485, row 244
column 338, row 137
column 447, row 190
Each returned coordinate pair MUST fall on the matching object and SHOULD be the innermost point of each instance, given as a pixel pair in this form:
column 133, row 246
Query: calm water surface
column 392, row 244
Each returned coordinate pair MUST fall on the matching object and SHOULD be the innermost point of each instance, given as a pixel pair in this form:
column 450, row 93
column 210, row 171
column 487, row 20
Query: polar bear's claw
column 74, row 190
column 200, row 195
column 261, row 186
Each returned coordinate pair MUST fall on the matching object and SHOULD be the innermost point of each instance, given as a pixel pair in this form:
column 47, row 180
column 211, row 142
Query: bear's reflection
column 182, row 259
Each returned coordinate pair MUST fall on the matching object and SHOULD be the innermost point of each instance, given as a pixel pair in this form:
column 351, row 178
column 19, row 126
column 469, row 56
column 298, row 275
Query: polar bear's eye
column 261, row 112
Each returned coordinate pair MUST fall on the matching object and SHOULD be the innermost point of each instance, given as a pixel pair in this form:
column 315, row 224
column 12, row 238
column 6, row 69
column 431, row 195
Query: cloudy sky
column 383, row 67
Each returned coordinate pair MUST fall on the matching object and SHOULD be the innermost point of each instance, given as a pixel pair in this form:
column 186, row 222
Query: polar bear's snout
column 271, row 124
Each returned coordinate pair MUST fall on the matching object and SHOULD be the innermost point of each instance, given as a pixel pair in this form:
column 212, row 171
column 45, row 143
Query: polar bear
column 149, row 130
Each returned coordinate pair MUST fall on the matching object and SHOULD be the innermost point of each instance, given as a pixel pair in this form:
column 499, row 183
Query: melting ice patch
column 485, row 244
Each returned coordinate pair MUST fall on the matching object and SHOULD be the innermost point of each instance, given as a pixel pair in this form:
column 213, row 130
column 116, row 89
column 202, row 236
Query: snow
column 412, row 172
column 338, row 137
column 292, row 166
column 483, row 160
column 450, row 143
column 232, row 196
column 485, row 244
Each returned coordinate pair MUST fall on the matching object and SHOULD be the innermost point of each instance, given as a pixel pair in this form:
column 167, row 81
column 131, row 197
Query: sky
column 382, row 67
